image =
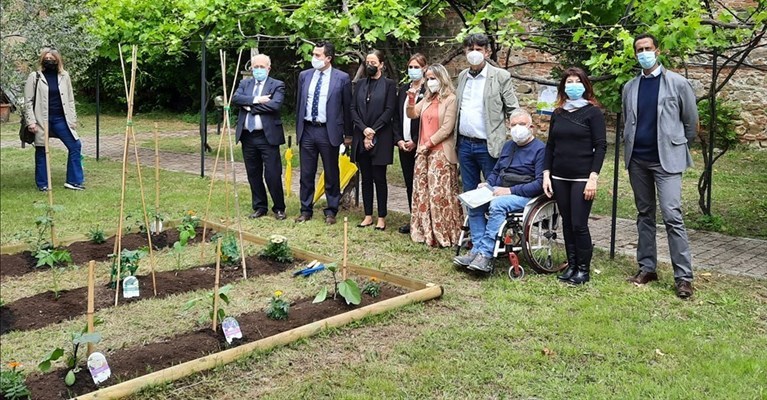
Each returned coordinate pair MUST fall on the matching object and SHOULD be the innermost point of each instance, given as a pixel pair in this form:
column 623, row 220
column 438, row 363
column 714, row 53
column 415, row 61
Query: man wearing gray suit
column 660, row 119
column 485, row 99
column 323, row 119
column 259, row 129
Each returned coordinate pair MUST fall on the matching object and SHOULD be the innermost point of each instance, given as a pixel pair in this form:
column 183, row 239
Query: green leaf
column 54, row 355
column 321, row 296
column 70, row 378
column 350, row 291
column 94, row 337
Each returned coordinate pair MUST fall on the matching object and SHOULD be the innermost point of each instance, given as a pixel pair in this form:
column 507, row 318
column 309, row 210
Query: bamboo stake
column 91, row 267
column 50, row 183
column 152, row 261
column 224, row 357
column 157, row 219
column 346, row 246
column 128, row 129
column 215, row 286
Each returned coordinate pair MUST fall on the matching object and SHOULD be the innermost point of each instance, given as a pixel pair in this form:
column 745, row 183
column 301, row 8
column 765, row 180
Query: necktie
column 251, row 117
column 316, row 99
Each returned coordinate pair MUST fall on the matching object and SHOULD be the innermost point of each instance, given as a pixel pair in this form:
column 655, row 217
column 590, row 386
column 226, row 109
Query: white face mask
column 475, row 57
column 520, row 134
column 433, row 85
column 317, row 63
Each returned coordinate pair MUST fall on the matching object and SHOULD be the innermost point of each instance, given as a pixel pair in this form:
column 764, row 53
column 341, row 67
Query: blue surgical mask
column 646, row 59
column 415, row 73
column 575, row 90
column 259, row 74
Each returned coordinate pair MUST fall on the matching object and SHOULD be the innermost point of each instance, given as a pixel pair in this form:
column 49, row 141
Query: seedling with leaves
column 135, row 219
column 223, row 295
column 12, row 383
column 278, row 250
column 72, row 358
column 186, row 232
column 372, row 287
column 96, row 235
column 278, row 308
column 230, row 250
column 348, row 289
column 129, row 262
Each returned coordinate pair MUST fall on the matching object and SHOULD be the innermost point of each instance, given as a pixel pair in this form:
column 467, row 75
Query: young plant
column 372, row 287
column 135, row 219
column 72, row 358
column 129, row 260
column 186, row 231
column 53, row 258
column 223, row 295
column 190, row 218
column 278, row 249
column 348, row 289
column 278, row 308
column 43, row 223
column 12, row 383
column 230, row 250
column 96, row 235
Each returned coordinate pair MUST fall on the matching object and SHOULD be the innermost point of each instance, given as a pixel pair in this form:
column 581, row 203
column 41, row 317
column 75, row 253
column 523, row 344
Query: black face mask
column 50, row 65
column 371, row 70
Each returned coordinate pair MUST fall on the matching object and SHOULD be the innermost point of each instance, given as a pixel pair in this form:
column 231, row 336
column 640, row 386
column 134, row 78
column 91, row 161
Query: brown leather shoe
column 303, row 217
column 330, row 219
column 683, row 289
column 643, row 277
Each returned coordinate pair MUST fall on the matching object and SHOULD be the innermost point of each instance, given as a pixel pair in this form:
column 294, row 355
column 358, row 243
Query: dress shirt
column 406, row 123
column 322, row 106
column 654, row 73
column 256, row 93
column 472, row 112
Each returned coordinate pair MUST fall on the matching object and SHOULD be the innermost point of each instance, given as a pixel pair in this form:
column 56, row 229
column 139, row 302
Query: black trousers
column 263, row 163
column 314, row 145
column 575, row 212
column 372, row 175
column 407, row 162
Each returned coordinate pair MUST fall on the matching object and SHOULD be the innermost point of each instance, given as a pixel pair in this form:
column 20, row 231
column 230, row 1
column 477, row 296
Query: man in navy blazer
column 323, row 118
column 259, row 128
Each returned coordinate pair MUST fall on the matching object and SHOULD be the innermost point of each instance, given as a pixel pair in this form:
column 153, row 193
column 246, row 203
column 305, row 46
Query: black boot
column 571, row 265
column 583, row 259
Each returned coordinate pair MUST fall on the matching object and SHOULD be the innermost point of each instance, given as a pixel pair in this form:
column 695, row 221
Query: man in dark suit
column 259, row 128
column 323, row 118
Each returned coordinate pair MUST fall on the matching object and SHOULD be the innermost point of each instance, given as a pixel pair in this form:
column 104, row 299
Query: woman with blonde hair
column 437, row 215
column 50, row 104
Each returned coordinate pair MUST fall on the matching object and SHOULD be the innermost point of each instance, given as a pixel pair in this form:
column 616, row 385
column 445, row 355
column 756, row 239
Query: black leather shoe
column 279, row 215
column 404, row 229
column 683, row 289
column 303, row 217
column 380, row 228
column 257, row 214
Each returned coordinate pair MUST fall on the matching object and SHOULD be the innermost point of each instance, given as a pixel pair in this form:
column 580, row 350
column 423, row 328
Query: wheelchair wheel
column 544, row 246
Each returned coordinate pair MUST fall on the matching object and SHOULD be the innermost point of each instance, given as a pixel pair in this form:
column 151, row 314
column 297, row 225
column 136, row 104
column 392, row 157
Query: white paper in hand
column 477, row 197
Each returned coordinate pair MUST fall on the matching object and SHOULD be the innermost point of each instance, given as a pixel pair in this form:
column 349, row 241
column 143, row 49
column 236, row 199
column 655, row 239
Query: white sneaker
column 73, row 186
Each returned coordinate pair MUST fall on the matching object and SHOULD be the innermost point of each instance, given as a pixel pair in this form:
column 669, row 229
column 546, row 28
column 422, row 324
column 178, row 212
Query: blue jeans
column 484, row 240
column 473, row 158
column 58, row 127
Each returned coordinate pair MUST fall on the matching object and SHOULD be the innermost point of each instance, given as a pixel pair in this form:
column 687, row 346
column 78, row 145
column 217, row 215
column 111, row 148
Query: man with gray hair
column 516, row 178
column 259, row 128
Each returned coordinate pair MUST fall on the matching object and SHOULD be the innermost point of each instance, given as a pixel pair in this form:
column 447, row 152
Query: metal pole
column 711, row 135
column 98, row 111
column 203, row 120
column 616, row 163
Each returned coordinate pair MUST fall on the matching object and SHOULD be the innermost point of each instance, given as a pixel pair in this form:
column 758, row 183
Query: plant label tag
column 231, row 329
column 98, row 367
column 155, row 226
column 130, row 287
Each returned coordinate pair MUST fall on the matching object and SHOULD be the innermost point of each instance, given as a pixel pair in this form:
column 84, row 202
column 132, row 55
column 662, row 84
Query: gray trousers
column 645, row 178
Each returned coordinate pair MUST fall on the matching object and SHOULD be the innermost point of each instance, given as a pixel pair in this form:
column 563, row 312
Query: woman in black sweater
column 574, row 154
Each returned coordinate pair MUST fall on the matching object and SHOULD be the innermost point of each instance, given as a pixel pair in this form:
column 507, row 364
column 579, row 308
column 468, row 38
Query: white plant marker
column 231, row 329
column 98, row 367
column 130, row 287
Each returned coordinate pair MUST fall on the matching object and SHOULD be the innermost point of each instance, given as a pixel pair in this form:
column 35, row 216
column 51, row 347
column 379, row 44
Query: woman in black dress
column 373, row 107
column 575, row 151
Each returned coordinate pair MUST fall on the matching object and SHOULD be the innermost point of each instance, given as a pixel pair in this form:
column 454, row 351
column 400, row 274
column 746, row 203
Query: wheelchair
column 535, row 233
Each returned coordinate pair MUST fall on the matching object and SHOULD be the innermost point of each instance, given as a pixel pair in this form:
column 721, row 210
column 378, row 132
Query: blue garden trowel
column 312, row 267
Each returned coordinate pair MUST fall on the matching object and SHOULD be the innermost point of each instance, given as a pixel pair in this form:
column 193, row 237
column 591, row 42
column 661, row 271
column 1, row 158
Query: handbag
column 509, row 179
column 25, row 135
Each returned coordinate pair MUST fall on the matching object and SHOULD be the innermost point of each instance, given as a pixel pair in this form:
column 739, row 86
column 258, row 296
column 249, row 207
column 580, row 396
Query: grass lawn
column 488, row 337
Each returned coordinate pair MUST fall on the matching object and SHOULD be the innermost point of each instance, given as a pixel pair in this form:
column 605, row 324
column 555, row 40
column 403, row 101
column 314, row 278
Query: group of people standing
column 475, row 128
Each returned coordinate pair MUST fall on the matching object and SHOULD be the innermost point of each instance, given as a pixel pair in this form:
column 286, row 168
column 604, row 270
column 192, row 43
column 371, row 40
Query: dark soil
column 83, row 252
column 136, row 361
column 44, row 309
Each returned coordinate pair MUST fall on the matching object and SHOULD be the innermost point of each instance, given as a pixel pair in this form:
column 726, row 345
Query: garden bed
column 83, row 251
column 43, row 309
column 133, row 362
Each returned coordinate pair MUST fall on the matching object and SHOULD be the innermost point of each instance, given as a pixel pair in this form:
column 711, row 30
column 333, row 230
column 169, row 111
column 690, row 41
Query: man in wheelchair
column 516, row 178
